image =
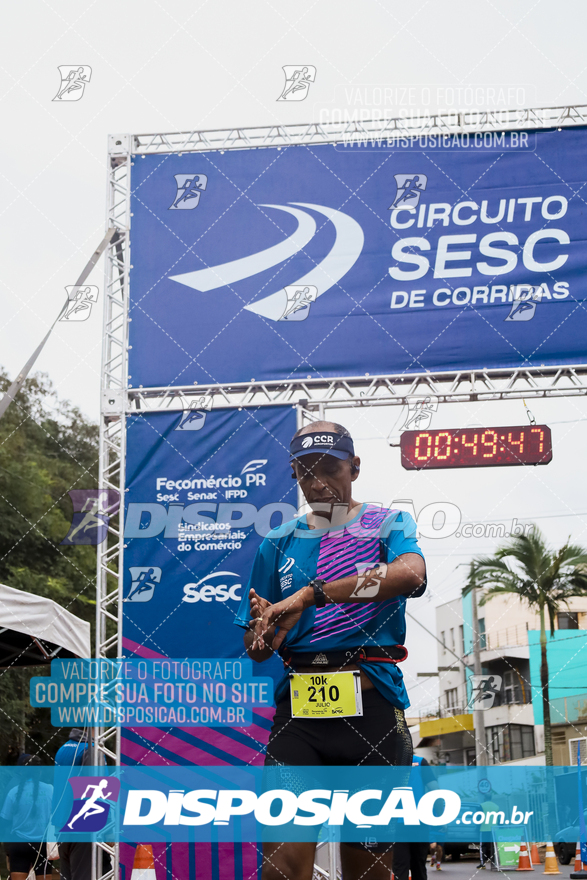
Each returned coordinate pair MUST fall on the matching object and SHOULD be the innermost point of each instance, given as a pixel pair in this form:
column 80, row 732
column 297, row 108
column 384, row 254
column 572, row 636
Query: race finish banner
column 203, row 490
column 432, row 253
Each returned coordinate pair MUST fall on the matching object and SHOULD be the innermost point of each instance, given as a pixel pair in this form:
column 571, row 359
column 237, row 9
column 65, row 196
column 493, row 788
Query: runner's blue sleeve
column 264, row 580
column 398, row 536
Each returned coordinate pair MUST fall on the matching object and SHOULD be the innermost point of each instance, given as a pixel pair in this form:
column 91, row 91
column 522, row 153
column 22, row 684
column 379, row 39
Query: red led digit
column 492, row 443
column 419, row 438
column 437, row 445
column 473, row 444
column 541, row 432
column 519, row 442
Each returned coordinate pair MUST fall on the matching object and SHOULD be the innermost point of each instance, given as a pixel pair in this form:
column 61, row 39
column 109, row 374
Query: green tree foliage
column 545, row 578
column 47, row 447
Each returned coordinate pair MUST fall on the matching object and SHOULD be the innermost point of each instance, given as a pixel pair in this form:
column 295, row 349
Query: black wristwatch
column 318, row 587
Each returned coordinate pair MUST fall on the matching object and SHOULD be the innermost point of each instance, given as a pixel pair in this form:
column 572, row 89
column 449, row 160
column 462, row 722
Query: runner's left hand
column 284, row 614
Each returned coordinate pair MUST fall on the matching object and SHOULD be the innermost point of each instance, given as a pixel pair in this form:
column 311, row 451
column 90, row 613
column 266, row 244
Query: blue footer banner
column 224, row 805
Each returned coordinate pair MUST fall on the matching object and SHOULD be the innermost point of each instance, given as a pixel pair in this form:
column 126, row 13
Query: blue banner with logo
column 435, row 253
column 201, row 496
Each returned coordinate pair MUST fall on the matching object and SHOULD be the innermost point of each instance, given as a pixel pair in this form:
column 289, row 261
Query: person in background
column 487, row 850
column 72, row 754
column 436, row 856
column 28, row 807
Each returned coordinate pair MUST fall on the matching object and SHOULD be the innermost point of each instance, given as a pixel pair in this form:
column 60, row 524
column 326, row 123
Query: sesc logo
column 221, row 591
column 291, row 303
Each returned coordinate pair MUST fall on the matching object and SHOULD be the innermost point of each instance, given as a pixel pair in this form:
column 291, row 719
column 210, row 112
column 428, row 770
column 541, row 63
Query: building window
column 443, row 640
column 512, row 692
column 568, row 619
column 574, row 748
column 462, row 638
column 510, row 742
column 452, row 699
column 453, row 644
column 482, row 635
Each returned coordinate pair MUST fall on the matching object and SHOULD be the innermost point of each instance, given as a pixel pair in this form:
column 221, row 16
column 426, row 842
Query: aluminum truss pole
column 110, row 565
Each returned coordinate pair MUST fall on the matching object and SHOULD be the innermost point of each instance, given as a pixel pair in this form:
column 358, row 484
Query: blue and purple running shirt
column 293, row 554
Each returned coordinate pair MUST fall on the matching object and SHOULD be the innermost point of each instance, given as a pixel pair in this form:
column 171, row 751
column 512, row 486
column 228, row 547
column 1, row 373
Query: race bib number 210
column 326, row 695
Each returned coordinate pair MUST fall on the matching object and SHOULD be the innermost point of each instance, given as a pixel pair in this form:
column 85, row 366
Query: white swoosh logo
column 236, row 270
column 342, row 257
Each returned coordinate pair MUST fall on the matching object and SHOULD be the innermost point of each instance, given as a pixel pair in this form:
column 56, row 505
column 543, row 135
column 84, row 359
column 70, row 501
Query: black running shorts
column 378, row 737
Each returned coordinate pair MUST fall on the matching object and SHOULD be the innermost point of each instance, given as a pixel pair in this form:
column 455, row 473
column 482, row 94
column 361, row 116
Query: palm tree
column 545, row 578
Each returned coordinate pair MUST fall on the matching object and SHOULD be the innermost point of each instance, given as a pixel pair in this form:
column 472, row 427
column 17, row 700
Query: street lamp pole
column 478, row 719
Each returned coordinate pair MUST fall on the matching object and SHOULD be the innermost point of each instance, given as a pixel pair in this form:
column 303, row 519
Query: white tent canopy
column 36, row 630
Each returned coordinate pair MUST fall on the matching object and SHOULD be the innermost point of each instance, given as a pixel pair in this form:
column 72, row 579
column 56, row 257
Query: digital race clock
column 476, row 447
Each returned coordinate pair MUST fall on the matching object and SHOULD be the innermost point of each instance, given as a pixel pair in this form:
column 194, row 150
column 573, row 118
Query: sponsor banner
column 253, row 804
column 197, row 507
column 334, row 260
column 203, row 487
column 153, row 693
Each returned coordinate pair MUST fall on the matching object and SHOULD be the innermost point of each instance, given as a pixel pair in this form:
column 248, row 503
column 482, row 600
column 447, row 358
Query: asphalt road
column 466, row 869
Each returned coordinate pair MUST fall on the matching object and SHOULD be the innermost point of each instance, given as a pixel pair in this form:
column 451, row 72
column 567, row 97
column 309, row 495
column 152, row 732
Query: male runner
column 328, row 591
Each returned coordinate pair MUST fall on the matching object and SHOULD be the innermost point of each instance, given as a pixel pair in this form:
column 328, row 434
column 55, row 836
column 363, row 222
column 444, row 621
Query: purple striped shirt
column 345, row 552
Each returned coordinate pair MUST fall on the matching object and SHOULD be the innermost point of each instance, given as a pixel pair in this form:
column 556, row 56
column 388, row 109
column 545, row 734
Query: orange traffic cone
column 534, row 856
column 143, row 866
column 578, row 862
column 551, row 861
column 524, row 863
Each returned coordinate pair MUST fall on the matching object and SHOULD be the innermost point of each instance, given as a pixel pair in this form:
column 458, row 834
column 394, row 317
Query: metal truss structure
column 311, row 397
column 395, row 389
column 106, row 741
column 352, row 130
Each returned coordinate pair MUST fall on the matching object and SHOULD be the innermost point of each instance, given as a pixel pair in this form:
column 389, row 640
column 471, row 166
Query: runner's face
column 324, row 478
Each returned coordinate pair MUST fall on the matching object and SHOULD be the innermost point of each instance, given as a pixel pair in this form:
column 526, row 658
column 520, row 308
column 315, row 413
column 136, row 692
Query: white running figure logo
column 91, row 808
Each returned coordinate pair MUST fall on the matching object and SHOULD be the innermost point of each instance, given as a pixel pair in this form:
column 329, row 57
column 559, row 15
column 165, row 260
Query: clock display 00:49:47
column 476, row 447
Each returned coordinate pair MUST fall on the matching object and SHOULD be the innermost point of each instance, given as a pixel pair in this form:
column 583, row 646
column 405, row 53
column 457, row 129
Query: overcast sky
column 183, row 65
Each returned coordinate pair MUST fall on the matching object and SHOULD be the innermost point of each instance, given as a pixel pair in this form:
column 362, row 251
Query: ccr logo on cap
column 307, row 442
